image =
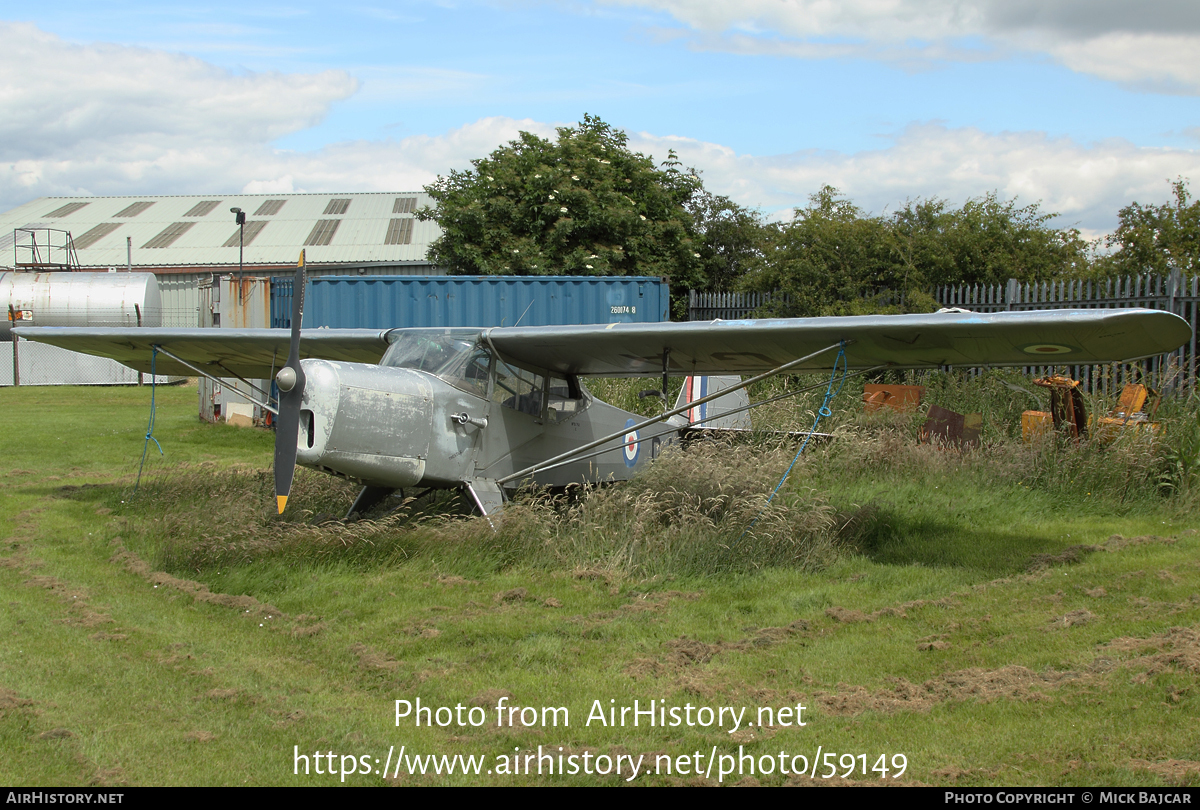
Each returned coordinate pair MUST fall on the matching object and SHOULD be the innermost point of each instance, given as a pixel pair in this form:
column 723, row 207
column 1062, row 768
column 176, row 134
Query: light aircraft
column 485, row 410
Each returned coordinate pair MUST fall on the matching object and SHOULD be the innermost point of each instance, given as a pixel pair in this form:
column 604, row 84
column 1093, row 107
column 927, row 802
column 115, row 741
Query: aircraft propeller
column 290, row 380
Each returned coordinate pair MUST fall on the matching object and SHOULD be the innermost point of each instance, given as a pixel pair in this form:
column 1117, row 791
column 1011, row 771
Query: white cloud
column 1152, row 44
column 102, row 119
column 1162, row 62
column 899, row 20
column 109, row 119
column 283, row 184
column 1085, row 183
column 103, row 97
column 400, row 165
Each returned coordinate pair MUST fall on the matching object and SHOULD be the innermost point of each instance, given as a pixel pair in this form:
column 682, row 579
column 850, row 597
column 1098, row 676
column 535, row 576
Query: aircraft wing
column 250, row 353
column 1040, row 337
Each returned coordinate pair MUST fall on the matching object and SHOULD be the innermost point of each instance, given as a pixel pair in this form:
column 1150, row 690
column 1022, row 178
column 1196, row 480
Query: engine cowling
column 368, row 423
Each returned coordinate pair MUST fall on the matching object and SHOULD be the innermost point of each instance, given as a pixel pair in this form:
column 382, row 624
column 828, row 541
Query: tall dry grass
column 690, row 513
column 697, row 510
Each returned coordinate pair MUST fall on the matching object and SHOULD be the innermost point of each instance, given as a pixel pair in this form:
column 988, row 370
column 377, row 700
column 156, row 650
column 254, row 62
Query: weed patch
column 696, row 511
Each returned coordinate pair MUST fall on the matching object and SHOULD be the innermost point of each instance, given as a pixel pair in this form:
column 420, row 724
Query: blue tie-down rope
column 150, row 427
column 822, row 412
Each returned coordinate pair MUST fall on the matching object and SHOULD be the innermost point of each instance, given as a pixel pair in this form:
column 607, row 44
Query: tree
column 833, row 259
column 1157, row 238
column 987, row 241
column 731, row 238
column 827, row 259
column 583, row 205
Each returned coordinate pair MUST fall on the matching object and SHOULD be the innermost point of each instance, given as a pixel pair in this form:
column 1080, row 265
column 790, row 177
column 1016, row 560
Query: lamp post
column 239, row 216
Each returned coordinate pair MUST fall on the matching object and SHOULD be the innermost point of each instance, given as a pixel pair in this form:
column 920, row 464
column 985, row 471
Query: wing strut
column 666, row 363
column 218, row 381
column 266, row 394
column 667, row 414
column 751, row 406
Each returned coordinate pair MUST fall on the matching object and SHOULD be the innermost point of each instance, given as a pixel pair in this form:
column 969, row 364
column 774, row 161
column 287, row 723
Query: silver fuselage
column 397, row 427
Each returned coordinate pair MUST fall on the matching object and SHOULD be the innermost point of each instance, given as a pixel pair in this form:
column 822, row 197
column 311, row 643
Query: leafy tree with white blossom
column 582, row 205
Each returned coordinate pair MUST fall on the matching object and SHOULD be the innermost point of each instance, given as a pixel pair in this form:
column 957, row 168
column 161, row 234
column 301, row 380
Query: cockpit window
column 451, row 355
column 563, row 400
column 518, row 389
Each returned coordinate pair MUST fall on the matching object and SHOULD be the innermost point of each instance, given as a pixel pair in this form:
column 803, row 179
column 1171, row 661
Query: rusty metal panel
column 899, row 398
column 234, row 302
column 244, row 302
column 1035, row 424
column 950, row 429
column 1066, row 405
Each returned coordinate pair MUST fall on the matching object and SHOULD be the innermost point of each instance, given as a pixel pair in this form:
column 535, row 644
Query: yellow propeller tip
column 281, row 502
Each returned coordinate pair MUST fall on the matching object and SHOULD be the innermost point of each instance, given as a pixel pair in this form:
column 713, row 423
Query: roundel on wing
column 630, row 446
column 1044, row 349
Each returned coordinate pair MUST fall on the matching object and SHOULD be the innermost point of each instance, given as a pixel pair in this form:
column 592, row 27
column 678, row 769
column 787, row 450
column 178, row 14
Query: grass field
column 1011, row 616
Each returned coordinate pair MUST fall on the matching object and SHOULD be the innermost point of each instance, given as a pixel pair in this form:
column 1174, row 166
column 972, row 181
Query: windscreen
column 450, row 354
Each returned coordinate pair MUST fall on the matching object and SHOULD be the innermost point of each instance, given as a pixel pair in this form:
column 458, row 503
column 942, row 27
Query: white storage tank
column 79, row 299
column 71, row 299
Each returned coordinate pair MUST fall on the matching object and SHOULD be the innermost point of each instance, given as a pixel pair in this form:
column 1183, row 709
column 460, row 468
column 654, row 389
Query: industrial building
column 188, row 242
column 227, row 261
column 187, row 239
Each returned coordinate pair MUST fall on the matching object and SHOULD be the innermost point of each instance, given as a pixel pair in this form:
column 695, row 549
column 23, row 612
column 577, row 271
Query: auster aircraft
column 485, row 410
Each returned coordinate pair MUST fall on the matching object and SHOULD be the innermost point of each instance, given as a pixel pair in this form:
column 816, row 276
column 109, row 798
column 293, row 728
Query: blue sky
column 1083, row 105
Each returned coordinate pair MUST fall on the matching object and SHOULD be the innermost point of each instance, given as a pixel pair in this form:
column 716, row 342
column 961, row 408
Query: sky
column 1082, row 106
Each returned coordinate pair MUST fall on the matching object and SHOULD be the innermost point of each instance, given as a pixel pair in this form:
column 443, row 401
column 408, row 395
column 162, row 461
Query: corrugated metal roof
column 323, row 232
column 135, row 209
column 95, row 235
column 202, row 209
column 69, row 208
column 399, row 232
column 269, row 208
column 169, row 235
column 251, row 230
column 361, row 236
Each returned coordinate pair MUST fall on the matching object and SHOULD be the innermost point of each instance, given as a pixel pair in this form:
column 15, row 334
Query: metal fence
column 730, row 306
column 1172, row 293
column 24, row 362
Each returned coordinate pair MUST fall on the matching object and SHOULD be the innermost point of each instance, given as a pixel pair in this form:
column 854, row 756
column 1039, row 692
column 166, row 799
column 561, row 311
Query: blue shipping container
column 383, row 302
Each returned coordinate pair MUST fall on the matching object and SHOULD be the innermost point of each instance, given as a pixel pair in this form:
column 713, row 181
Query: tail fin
column 715, row 415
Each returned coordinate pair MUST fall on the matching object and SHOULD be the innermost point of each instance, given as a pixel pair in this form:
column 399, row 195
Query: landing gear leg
column 369, row 497
column 487, row 496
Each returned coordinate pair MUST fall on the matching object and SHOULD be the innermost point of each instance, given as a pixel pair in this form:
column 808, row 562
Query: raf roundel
column 631, row 446
column 1048, row 348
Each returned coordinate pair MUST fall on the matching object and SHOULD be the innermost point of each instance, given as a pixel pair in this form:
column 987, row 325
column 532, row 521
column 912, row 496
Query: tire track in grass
column 63, row 725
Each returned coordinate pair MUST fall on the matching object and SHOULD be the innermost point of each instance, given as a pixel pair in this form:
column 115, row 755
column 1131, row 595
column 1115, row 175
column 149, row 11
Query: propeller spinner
column 290, row 380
